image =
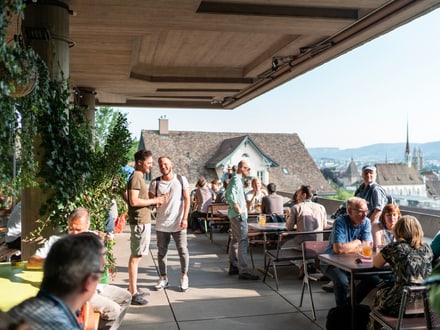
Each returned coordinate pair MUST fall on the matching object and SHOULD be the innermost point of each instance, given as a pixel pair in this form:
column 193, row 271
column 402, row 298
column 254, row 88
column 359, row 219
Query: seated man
column 305, row 216
column 272, row 205
column 72, row 271
column 349, row 230
column 110, row 301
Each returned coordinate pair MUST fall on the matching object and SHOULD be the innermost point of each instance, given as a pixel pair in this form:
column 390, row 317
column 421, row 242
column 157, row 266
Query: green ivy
column 54, row 142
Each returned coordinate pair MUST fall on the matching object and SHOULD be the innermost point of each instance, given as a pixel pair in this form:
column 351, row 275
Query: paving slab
column 215, row 299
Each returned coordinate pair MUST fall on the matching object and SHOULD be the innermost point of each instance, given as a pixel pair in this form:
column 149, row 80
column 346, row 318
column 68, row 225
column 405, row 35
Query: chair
column 414, row 312
column 213, row 216
column 432, row 318
column 310, row 251
column 285, row 254
column 257, row 239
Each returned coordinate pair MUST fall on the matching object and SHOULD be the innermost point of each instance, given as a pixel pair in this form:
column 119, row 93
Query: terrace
column 217, row 300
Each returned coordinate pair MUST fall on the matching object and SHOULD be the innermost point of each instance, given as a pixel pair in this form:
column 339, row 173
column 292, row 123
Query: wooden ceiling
column 216, row 54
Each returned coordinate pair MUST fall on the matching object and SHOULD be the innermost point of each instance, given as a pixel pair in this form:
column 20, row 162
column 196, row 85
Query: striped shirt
column 45, row 312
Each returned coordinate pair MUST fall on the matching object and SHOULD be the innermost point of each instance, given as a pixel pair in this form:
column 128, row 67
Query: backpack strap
column 179, row 177
column 157, row 184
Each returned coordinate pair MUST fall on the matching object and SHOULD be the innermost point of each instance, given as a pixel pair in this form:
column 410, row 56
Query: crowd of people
column 79, row 254
column 397, row 240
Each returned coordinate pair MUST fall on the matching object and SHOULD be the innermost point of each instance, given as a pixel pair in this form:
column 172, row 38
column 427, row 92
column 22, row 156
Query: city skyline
column 366, row 96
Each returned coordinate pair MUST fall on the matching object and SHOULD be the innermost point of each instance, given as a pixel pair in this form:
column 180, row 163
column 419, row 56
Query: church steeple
column 407, row 149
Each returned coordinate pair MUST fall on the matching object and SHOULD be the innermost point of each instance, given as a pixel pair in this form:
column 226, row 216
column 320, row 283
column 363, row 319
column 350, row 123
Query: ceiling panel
column 216, row 54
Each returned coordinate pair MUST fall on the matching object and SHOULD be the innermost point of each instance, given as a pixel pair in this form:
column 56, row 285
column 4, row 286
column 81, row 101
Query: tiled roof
column 433, row 189
column 191, row 151
column 397, row 174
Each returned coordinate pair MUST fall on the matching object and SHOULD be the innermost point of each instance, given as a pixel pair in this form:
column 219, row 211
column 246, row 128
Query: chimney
column 163, row 126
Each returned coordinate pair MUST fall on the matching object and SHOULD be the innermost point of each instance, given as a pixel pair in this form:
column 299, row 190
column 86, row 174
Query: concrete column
column 86, row 98
column 46, row 30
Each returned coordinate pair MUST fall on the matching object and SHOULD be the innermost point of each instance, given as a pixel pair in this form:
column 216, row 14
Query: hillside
column 391, row 152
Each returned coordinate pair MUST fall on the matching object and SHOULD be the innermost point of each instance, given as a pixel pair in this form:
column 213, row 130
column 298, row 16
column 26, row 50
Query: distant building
column 278, row 158
column 415, row 160
column 401, row 180
column 351, row 176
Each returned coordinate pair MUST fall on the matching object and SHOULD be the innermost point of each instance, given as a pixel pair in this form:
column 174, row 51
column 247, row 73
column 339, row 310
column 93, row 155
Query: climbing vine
column 46, row 142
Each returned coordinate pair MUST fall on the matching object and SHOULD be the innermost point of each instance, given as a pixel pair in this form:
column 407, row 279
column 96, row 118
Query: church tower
column 407, row 148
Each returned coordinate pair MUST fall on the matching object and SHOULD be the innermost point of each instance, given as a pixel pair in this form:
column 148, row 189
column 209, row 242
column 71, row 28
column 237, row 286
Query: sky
column 363, row 97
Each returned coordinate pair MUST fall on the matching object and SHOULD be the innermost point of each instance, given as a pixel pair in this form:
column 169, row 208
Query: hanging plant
column 18, row 71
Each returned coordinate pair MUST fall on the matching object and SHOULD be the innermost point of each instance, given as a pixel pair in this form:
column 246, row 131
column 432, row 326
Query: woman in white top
column 383, row 230
column 255, row 196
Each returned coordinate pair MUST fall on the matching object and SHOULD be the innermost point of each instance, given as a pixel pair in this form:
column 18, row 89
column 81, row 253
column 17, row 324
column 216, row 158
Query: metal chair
column 286, row 254
column 413, row 312
column 310, row 252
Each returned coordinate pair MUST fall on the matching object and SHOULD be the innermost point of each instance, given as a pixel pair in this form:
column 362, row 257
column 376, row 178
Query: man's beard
column 166, row 173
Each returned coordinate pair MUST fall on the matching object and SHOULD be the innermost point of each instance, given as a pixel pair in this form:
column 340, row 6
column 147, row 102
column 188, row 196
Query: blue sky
column 363, row 97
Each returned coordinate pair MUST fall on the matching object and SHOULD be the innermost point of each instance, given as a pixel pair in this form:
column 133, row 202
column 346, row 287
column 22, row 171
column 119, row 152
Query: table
column 347, row 262
column 267, row 228
column 251, row 215
column 17, row 284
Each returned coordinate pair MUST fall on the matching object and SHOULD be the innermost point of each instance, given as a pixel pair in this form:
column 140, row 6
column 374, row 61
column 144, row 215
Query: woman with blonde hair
column 410, row 260
column 255, row 196
column 383, row 230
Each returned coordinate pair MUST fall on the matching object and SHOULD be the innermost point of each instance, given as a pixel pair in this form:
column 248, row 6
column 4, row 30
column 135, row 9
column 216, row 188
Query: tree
column 105, row 120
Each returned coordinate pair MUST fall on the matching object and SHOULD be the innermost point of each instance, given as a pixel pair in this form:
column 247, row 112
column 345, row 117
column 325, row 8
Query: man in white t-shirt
column 171, row 220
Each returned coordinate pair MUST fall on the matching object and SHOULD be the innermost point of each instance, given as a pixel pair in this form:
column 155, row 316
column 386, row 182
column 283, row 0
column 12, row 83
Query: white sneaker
column 184, row 283
column 162, row 284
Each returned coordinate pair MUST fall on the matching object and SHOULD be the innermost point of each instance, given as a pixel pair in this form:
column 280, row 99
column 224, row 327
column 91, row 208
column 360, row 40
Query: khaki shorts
column 140, row 239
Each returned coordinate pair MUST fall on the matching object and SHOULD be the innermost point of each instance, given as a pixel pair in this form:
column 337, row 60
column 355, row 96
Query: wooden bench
column 5, row 252
column 215, row 217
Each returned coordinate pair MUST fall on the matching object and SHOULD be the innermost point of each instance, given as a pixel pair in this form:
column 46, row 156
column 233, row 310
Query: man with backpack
column 372, row 192
column 171, row 220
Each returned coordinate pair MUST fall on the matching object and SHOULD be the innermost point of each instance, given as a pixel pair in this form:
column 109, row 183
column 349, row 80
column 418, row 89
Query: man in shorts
column 139, row 218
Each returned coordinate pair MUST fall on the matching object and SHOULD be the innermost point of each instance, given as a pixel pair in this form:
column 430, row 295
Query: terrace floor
column 216, row 300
